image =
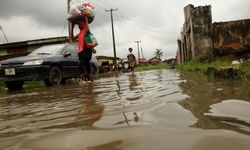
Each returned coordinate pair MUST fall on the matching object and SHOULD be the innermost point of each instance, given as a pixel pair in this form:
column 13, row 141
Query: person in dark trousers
column 131, row 60
column 84, row 53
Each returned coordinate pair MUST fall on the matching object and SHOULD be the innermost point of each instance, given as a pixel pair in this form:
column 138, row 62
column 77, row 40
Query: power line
column 141, row 26
column 64, row 27
column 109, row 3
column 102, row 4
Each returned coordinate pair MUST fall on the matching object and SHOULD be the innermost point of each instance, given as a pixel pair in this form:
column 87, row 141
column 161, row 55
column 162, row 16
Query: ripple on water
column 107, row 101
column 233, row 112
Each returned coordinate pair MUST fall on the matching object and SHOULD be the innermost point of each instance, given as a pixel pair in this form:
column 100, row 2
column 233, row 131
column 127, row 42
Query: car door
column 70, row 61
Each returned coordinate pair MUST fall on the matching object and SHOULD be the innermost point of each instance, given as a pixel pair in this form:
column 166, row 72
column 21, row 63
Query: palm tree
column 158, row 53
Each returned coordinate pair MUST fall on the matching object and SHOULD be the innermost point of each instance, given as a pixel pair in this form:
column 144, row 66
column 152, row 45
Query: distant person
column 131, row 60
column 84, row 53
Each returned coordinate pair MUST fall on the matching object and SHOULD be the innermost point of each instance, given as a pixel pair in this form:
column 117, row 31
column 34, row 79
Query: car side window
column 71, row 49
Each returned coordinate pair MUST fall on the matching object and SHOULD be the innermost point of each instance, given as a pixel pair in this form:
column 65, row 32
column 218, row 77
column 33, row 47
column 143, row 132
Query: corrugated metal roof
column 34, row 42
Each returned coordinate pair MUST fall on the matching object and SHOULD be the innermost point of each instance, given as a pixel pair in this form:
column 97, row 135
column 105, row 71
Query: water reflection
column 131, row 119
column 133, row 83
column 134, row 93
column 149, row 110
column 90, row 111
column 122, row 102
column 205, row 92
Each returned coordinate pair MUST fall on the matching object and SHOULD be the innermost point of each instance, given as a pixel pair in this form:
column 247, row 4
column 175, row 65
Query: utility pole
column 113, row 35
column 138, row 45
column 70, row 27
column 142, row 54
column 1, row 28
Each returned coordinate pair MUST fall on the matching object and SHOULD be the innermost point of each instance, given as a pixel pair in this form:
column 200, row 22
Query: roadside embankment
column 222, row 69
column 152, row 67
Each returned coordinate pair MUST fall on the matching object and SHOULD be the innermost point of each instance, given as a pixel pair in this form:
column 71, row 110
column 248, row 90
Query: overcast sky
column 156, row 23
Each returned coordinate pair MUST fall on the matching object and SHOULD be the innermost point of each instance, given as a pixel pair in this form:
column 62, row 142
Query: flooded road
column 154, row 110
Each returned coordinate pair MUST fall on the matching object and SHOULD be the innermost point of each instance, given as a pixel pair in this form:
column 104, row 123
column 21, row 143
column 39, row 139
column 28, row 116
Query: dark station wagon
column 52, row 63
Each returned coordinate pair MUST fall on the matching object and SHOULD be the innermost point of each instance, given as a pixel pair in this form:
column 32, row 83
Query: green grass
column 245, row 70
column 2, row 88
column 193, row 66
column 28, row 85
column 152, row 67
column 201, row 67
column 33, row 84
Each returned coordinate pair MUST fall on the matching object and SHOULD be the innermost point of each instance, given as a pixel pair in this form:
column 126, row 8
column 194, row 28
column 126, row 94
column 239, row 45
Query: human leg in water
column 87, row 70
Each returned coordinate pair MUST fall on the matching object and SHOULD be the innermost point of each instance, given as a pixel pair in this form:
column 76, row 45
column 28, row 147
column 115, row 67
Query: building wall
column 201, row 40
column 178, row 55
column 202, row 28
column 231, row 40
column 195, row 42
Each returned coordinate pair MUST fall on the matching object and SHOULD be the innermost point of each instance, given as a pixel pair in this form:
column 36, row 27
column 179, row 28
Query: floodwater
column 153, row 110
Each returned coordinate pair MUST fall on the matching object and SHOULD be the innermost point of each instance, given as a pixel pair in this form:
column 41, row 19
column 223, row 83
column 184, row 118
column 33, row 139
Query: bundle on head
column 79, row 11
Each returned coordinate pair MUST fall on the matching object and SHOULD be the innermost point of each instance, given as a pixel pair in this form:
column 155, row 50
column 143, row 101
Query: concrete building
column 155, row 60
column 231, row 40
column 108, row 59
column 203, row 40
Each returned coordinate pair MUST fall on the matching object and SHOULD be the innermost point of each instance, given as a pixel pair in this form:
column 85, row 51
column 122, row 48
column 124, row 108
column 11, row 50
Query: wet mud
column 160, row 109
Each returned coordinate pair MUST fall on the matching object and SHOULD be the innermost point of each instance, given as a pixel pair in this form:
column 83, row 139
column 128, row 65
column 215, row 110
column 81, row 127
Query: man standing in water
column 131, row 60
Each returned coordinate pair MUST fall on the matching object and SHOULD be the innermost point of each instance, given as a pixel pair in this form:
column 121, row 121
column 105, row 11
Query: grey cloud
column 46, row 12
column 157, row 22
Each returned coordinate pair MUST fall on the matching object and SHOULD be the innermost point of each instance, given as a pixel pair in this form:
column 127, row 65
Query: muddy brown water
column 154, row 110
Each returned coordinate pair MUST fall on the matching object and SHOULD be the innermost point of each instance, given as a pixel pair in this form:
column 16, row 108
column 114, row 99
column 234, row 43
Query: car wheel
column 54, row 76
column 93, row 71
column 14, row 85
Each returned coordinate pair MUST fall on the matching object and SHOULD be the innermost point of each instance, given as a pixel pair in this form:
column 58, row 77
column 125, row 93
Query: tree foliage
column 158, row 53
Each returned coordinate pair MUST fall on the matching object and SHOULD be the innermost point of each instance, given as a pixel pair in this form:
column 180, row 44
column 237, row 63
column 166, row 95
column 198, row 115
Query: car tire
column 94, row 70
column 14, row 85
column 54, row 76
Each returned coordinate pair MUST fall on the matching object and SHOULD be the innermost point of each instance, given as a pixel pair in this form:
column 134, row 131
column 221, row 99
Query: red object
column 83, row 30
column 88, row 4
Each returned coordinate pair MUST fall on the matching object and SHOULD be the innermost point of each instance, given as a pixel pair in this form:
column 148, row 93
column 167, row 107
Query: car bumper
column 26, row 73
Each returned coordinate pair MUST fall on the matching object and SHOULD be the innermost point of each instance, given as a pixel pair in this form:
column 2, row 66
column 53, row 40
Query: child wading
column 131, row 60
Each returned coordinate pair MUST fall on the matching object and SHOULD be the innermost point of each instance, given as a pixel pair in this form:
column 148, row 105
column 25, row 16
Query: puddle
column 151, row 110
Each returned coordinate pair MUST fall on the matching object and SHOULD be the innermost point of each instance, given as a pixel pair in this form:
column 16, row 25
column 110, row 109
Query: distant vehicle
column 52, row 63
column 95, row 65
column 105, row 67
